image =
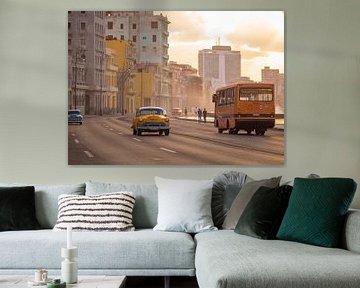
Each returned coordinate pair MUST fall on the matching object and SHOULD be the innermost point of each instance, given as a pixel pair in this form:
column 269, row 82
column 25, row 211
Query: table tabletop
column 84, row 281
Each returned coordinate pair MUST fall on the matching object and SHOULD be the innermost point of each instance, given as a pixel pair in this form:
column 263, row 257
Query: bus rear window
column 256, row 94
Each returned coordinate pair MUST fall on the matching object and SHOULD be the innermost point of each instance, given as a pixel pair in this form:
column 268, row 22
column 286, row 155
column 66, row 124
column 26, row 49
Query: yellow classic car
column 151, row 119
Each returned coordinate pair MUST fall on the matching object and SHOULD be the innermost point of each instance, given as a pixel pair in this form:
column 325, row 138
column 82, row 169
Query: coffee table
column 84, row 281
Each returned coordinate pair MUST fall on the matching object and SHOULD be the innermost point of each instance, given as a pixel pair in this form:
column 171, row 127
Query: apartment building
column 86, row 54
column 148, row 33
column 218, row 66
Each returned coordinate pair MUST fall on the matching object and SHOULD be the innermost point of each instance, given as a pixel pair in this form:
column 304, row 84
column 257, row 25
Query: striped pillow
column 105, row 212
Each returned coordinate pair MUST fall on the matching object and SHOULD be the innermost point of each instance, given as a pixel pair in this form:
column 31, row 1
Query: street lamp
column 79, row 55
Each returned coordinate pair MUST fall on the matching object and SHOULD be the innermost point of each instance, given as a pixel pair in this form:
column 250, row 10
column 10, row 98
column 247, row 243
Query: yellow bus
column 246, row 106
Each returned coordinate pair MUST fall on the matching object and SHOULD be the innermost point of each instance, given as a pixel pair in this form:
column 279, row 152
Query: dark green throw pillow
column 264, row 212
column 316, row 211
column 17, row 208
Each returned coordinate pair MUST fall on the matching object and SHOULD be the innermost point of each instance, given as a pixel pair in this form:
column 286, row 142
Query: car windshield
column 73, row 112
column 152, row 111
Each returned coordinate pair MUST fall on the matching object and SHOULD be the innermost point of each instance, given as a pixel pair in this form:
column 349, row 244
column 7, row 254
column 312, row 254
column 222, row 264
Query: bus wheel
column 220, row 130
column 248, row 131
column 260, row 131
column 233, row 131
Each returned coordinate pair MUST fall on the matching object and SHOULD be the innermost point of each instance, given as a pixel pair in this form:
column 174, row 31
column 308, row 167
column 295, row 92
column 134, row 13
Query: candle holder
column 69, row 272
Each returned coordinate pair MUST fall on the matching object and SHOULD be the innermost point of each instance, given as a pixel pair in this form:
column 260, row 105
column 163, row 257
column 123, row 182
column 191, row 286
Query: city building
column 125, row 61
column 193, row 91
column 148, row 33
column 179, row 84
column 269, row 75
column 218, row 66
column 86, row 54
column 145, row 85
column 111, row 87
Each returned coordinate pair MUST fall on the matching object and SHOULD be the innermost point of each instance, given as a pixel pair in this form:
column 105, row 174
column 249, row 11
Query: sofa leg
column 167, row 282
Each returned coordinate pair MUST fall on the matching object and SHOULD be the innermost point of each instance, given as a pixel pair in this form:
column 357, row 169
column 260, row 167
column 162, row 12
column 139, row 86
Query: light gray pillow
column 46, row 200
column 184, row 205
column 243, row 198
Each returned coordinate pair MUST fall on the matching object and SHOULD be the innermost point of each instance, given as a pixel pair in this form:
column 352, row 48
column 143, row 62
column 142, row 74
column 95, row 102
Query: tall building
column 125, row 61
column 273, row 76
column 86, row 54
column 110, row 101
column 148, row 33
column 218, row 66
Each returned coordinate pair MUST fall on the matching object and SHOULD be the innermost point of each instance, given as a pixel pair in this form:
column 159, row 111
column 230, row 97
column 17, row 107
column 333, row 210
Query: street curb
column 212, row 121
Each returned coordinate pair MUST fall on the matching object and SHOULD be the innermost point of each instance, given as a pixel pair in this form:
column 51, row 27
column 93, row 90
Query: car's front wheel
column 167, row 132
column 138, row 132
column 134, row 132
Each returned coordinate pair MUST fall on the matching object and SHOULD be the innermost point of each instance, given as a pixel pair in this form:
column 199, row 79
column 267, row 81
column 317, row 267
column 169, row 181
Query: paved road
column 109, row 141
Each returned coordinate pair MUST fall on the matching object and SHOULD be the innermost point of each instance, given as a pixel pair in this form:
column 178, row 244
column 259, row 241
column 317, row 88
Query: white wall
column 322, row 91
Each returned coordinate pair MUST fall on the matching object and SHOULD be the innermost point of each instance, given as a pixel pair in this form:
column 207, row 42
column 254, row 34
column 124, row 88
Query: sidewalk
column 279, row 123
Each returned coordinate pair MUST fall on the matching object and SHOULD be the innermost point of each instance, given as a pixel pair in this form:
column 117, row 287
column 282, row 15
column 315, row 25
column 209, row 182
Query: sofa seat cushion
column 226, row 259
column 143, row 249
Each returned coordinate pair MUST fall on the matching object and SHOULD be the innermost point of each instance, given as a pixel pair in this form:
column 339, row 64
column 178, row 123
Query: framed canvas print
column 176, row 88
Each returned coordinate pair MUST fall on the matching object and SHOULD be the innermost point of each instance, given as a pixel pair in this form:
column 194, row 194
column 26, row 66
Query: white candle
column 69, row 239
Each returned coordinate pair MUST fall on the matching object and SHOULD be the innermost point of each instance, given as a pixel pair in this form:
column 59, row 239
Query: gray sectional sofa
column 218, row 259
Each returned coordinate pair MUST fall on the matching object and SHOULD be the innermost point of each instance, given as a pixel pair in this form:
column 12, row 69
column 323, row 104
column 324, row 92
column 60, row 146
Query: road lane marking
column 76, row 141
column 120, row 133
column 168, row 150
column 111, row 129
column 136, row 139
column 89, row 154
column 73, row 134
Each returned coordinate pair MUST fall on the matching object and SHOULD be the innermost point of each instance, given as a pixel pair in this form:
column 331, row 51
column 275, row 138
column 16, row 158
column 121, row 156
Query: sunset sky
column 258, row 35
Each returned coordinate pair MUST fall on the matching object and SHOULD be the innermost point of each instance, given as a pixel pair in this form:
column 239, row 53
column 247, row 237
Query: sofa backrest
column 146, row 203
column 46, row 200
column 351, row 236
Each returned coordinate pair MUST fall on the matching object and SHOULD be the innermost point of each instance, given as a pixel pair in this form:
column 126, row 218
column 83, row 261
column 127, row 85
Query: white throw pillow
column 105, row 212
column 184, row 205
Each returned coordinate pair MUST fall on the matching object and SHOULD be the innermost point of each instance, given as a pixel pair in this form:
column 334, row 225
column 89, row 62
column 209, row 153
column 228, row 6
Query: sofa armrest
column 351, row 233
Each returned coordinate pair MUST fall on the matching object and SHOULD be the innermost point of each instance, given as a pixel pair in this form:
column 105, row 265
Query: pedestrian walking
column 204, row 114
column 185, row 112
column 199, row 114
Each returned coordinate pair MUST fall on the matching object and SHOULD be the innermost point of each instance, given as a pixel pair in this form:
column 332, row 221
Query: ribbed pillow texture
column 105, row 212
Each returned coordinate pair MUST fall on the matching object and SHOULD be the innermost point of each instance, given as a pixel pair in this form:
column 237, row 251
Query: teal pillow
column 316, row 211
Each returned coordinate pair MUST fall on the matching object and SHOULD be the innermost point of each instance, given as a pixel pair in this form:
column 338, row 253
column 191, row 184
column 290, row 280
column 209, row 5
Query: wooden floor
column 158, row 282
